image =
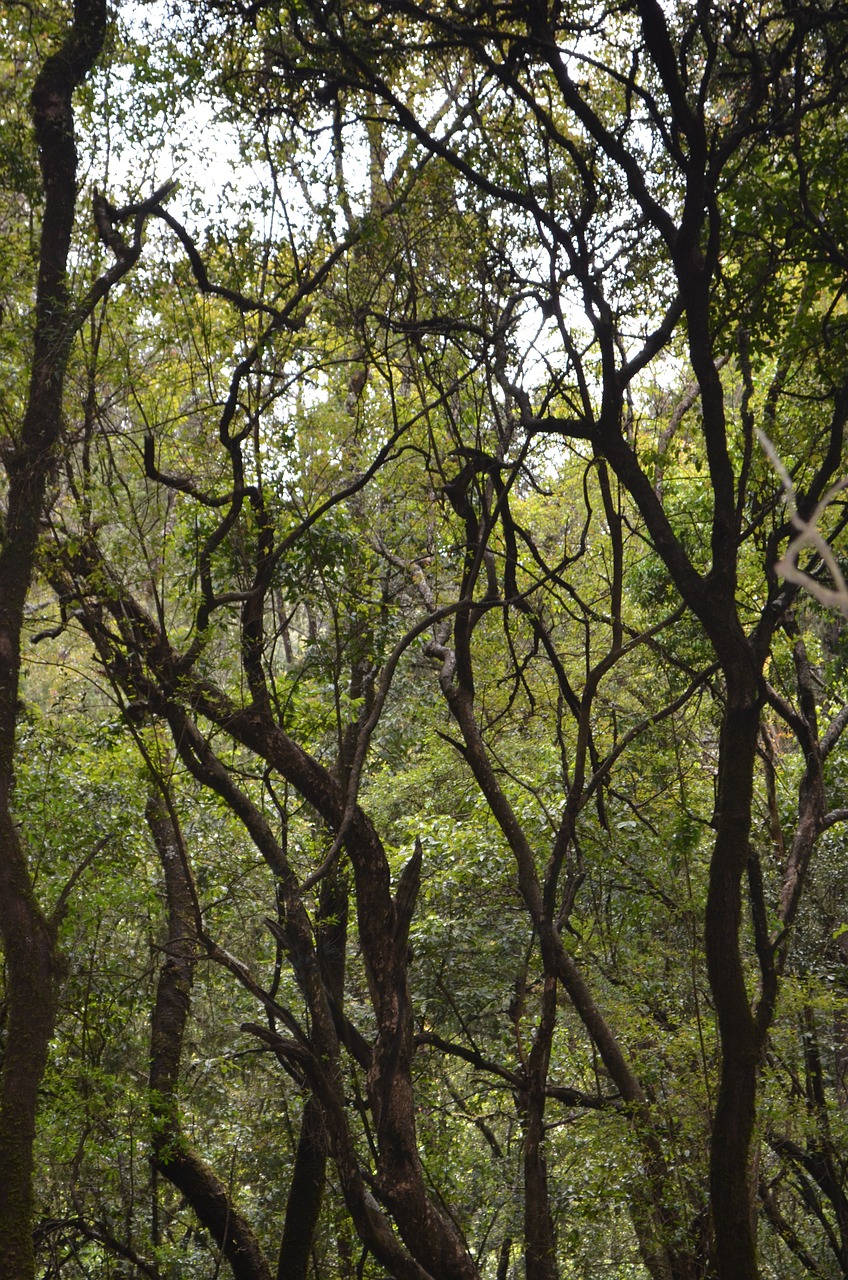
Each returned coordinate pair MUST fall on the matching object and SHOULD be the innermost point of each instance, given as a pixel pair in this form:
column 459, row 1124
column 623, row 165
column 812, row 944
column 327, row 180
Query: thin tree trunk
column 539, row 1235
column 306, row 1193
column 172, row 1156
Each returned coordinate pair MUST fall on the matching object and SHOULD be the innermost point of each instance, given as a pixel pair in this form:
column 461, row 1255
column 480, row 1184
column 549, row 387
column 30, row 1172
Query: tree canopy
column 422, row 653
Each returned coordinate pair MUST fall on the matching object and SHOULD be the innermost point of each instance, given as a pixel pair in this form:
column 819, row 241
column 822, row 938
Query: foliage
column 432, row 786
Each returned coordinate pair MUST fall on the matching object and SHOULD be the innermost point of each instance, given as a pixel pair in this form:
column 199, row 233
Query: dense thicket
column 421, row 635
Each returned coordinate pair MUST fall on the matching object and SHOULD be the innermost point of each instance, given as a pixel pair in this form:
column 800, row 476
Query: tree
column 623, row 170
column 33, row 444
column 435, row 535
column 29, row 943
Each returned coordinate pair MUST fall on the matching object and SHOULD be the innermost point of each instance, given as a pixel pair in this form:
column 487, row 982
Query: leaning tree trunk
column 29, row 939
column 173, row 1156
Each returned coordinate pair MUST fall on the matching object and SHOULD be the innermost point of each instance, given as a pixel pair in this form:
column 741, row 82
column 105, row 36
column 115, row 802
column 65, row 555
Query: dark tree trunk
column 539, row 1236
column 31, row 979
column 306, row 1195
column 29, row 939
column 172, row 1156
column 741, row 1038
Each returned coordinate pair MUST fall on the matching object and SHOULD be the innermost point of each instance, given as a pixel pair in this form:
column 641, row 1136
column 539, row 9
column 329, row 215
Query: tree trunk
column 29, row 939
column 207, row 1195
column 539, row 1236
column 741, row 1039
column 306, row 1194
column 31, row 980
